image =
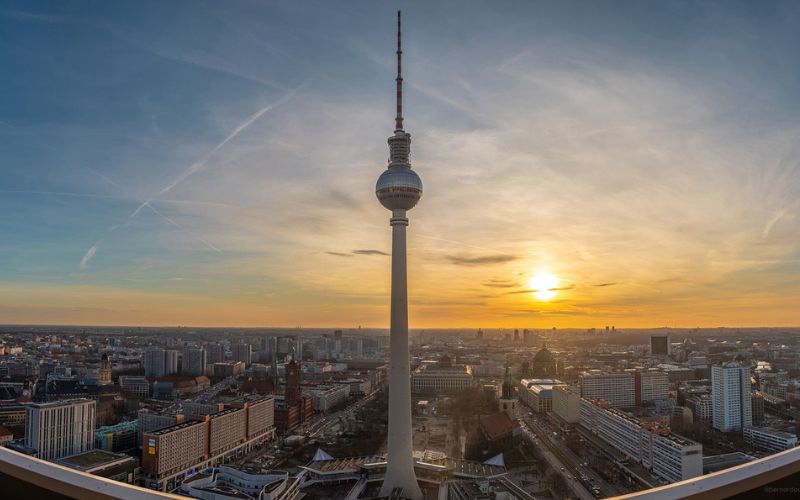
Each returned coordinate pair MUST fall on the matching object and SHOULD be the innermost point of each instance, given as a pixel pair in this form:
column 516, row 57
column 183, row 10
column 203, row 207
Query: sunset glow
column 229, row 180
column 543, row 286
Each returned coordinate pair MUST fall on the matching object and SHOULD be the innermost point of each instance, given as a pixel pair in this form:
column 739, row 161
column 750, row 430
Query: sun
column 543, row 285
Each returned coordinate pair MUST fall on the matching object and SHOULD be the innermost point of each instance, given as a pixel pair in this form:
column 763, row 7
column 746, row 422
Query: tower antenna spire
column 398, row 121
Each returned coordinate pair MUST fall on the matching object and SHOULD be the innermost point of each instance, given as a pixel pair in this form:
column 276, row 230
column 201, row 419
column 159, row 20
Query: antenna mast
column 398, row 121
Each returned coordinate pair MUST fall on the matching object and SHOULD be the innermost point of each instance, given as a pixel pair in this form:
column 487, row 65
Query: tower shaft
column 400, row 460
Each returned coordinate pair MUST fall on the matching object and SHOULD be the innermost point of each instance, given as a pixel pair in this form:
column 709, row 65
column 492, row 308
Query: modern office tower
column 616, row 388
column 154, row 362
column 60, row 428
column 660, row 345
column 730, row 394
column 516, row 336
column 105, row 370
column 399, row 189
column 195, row 360
column 243, row 353
column 216, row 353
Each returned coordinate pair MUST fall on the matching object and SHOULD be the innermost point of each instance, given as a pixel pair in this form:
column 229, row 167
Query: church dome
column 543, row 356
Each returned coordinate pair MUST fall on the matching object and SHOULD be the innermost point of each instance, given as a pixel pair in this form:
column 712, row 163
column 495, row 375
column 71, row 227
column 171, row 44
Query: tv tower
column 399, row 189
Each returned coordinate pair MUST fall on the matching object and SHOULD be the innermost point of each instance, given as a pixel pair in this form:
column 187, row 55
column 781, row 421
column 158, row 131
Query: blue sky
column 651, row 147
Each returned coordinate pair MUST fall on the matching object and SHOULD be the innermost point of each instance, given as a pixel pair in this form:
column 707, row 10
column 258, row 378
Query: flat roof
column 92, row 458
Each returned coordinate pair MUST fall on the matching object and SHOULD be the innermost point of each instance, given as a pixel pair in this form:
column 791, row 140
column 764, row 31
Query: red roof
column 496, row 426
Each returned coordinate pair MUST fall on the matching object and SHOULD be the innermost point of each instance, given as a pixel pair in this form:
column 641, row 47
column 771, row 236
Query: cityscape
column 656, row 361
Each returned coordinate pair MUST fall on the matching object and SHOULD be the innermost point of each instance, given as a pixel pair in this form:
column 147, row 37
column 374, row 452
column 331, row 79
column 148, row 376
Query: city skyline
column 634, row 166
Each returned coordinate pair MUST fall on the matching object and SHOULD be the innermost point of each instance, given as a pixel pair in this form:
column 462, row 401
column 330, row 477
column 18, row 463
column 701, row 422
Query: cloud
column 339, row 254
column 494, row 283
column 370, row 252
column 89, row 255
column 462, row 260
column 606, row 284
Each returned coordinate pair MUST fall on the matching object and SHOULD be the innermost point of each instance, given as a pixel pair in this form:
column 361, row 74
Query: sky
column 214, row 163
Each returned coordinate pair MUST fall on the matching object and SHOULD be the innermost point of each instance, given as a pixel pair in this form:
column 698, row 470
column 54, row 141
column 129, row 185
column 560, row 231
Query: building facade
column 769, row 440
column 60, row 428
column 731, row 397
column 667, row 455
column 619, row 389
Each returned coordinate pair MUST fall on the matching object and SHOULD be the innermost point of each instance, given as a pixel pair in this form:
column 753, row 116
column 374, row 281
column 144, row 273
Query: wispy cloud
column 494, row 283
column 480, row 260
column 339, row 254
column 369, row 252
column 89, row 255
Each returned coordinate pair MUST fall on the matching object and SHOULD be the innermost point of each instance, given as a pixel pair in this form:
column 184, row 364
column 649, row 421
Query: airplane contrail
column 192, row 169
column 200, row 164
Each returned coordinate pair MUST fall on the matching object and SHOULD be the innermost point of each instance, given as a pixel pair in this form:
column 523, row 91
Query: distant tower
column 399, row 189
column 292, row 392
column 105, row 370
column 508, row 400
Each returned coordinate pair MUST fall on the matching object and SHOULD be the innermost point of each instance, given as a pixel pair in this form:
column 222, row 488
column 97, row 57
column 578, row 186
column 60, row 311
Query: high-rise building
column 60, row 428
column 730, row 394
column 216, row 353
column 194, row 361
column 243, row 353
column 154, row 362
column 660, row 344
column 399, row 189
column 160, row 362
column 171, row 357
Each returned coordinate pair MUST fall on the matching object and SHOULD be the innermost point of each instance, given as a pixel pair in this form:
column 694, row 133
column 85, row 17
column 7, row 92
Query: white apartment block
column 652, row 385
column 731, row 397
column 619, row 389
column 665, row 454
column 566, row 403
column 769, row 440
column 61, row 428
